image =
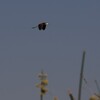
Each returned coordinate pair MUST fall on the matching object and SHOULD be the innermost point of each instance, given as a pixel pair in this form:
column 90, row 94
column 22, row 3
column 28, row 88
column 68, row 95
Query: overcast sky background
column 74, row 26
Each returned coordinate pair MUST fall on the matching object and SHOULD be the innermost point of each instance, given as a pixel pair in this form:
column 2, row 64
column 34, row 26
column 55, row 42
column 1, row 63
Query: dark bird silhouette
column 41, row 26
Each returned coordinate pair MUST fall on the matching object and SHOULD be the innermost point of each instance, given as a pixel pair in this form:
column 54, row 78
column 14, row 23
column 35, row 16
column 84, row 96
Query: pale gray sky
column 74, row 26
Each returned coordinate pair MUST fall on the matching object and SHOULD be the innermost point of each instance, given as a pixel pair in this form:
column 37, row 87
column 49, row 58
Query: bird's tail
column 34, row 27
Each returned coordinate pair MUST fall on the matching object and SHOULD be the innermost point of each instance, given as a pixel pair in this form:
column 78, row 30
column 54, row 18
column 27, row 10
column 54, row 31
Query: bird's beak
column 46, row 23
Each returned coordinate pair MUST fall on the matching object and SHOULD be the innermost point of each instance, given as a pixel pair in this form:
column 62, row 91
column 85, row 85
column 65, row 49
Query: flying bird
column 41, row 26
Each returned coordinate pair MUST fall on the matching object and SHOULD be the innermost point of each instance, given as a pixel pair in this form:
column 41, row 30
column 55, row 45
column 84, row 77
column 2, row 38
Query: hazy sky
column 74, row 26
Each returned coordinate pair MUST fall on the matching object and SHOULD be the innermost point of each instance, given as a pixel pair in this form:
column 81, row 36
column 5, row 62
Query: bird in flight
column 41, row 26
